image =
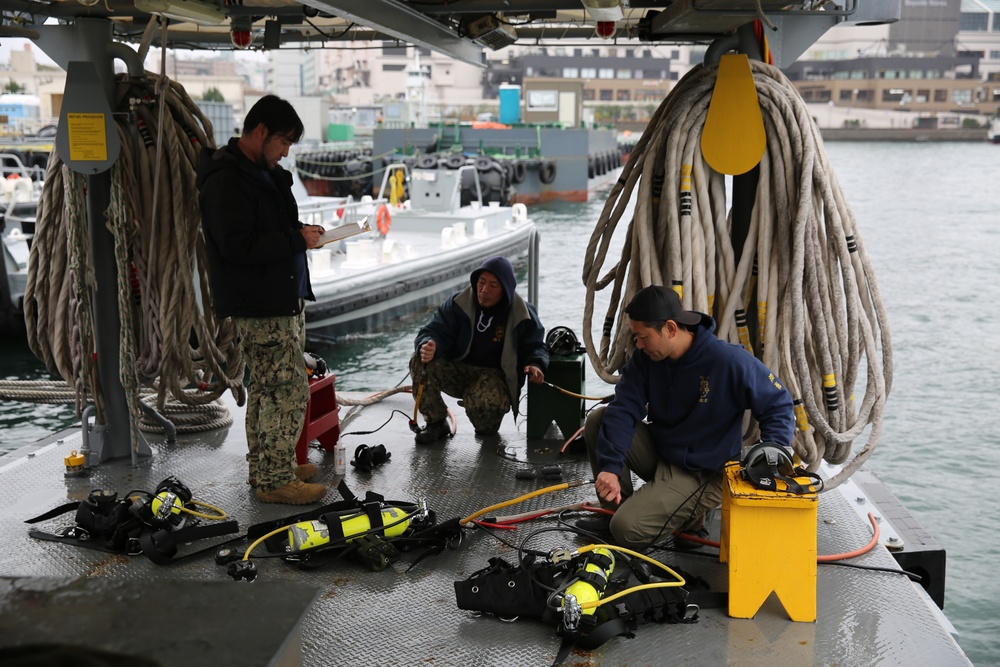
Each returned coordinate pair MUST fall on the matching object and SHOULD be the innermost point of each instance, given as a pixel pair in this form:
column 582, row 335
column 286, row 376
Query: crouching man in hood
column 479, row 346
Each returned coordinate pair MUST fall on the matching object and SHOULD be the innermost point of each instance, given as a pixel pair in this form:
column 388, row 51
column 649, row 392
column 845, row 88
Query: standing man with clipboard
column 260, row 277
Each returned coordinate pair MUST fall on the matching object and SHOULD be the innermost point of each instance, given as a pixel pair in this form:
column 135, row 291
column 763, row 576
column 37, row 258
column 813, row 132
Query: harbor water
column 927, row 215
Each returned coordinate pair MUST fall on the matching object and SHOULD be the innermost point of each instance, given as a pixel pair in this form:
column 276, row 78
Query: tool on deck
column 416, row 403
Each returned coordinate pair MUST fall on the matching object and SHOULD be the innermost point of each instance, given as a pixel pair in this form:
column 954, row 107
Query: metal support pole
column 89, row 41
column 744, row 185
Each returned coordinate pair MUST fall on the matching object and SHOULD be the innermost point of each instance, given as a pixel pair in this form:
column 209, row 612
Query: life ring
column 547, row 172
column 384, row 219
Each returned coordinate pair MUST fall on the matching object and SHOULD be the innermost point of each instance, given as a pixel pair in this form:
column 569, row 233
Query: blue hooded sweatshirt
column 695, row 404
column 524, row 340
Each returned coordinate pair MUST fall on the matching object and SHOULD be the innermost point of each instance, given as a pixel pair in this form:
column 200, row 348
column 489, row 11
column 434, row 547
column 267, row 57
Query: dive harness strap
column 621, row 618
column 507, row 591
column 160, row 546
column 797, row 487
column 110, row 524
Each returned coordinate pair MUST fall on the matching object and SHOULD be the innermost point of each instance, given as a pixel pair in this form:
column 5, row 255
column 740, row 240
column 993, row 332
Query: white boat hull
column 424, row 258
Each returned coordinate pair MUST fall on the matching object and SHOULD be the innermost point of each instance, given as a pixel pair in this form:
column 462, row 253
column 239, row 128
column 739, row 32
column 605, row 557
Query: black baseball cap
column 659, row 304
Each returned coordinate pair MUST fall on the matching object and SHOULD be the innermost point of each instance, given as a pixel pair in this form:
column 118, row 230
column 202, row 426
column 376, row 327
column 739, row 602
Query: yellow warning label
column 87, row 138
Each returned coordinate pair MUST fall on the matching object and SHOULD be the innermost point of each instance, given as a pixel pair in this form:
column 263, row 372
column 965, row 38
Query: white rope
column 170, row 338
column 374, row 398
column 802, row 271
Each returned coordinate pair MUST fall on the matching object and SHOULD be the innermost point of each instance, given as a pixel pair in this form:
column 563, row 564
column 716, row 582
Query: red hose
column 857, row 552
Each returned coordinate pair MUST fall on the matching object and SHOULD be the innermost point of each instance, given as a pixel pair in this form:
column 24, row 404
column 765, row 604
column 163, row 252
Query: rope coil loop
column 169, row 335
column 803, row 286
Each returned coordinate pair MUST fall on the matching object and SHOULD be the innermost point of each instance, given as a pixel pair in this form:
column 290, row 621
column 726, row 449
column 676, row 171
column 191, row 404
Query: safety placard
column 87, row 137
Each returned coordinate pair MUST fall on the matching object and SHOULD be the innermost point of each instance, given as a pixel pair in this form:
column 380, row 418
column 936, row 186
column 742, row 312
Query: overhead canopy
column 459, row 28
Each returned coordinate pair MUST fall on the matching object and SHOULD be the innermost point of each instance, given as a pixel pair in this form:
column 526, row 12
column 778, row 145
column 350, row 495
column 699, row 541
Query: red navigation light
column 241, row 38
column 605, row 29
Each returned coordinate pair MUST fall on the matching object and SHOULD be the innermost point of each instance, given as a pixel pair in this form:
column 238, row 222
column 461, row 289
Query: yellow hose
column 569, row 393
column 246, row 556
column 663, row 584
column 527, row 496
column 218, row 516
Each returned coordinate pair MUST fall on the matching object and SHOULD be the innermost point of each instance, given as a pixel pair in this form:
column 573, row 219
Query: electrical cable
column 391, row 415
column 913, row 576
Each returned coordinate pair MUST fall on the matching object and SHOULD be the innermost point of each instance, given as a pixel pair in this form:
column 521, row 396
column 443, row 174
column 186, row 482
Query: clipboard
column 343, row 231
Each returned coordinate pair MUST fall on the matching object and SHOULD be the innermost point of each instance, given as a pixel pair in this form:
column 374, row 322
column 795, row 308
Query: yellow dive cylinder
column 311, row 534
column 166, row 506
column 599, row 564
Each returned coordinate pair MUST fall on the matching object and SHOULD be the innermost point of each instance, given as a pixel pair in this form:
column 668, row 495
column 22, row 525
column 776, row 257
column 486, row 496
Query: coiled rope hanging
column 803, row 267
column 170, row 341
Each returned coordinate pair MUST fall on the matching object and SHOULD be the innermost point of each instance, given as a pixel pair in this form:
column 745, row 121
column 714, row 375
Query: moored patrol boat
column 862, row 616
column 418, row 250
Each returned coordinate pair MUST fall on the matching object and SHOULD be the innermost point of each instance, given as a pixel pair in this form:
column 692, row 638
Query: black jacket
column 451, row 329
column 252, row 235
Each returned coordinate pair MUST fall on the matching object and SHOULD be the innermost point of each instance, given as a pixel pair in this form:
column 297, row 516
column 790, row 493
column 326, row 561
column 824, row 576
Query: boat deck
column 393, row 617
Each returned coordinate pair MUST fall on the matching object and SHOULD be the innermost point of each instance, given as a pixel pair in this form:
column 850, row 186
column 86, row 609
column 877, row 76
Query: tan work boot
column 296, row 492
column 304, row 472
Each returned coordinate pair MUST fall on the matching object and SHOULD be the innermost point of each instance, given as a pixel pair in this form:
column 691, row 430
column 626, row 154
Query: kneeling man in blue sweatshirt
column 675, row 420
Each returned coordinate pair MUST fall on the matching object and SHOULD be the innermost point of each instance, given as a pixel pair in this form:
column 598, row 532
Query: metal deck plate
column 398, row 618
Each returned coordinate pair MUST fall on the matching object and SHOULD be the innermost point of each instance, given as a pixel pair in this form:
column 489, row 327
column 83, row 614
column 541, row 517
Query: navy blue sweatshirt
column 695, row 404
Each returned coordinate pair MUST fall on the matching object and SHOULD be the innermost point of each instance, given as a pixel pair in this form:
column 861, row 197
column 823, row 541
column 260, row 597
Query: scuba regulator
column 167, row 504
column 587, row 586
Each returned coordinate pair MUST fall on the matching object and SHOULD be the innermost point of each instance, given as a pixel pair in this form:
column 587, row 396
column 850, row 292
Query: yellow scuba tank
column 592, row 578
column 166, row 507
column 311, row 534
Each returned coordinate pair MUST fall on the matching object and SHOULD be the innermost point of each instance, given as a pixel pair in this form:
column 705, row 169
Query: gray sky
column 8, row 44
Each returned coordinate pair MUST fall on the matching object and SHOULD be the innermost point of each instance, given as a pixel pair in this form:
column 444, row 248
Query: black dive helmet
column 767, row 462
column 562, row 341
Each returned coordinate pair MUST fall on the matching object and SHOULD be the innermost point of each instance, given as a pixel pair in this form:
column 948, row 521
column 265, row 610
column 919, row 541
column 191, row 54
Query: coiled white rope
column 170, row 339
column 803, row 267
column 37, row 391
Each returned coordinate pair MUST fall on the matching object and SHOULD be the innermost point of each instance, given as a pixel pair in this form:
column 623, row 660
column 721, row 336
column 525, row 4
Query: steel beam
column 393, row 18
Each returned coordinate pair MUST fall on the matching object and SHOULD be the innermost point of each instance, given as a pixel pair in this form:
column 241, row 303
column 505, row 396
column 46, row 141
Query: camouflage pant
column 483, row 391
column 277, row 395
